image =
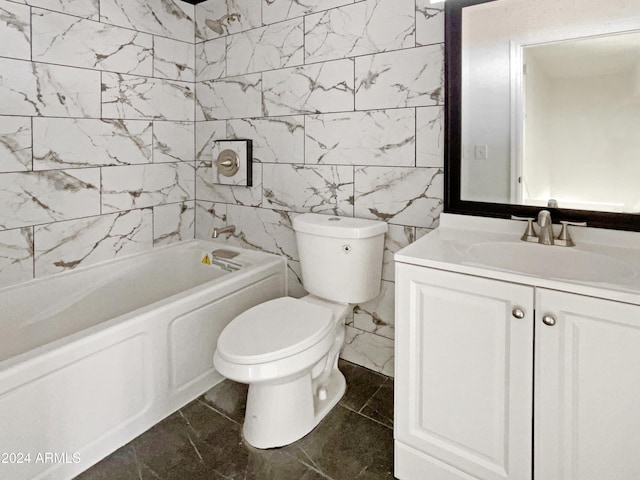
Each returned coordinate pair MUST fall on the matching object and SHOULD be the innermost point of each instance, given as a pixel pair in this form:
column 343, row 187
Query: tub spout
column 228, row 229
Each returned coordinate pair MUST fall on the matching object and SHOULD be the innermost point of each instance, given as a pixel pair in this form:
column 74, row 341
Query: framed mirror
column 543, row 110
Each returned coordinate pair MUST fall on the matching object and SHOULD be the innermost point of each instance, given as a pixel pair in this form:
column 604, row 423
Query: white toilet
column 287, row 349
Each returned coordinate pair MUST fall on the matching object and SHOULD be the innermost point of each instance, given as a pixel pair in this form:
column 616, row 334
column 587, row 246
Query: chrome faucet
column 545, row 237
column 228, row 229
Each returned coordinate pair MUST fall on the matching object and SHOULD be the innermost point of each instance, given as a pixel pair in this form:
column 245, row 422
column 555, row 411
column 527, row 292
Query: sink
column 565, row 263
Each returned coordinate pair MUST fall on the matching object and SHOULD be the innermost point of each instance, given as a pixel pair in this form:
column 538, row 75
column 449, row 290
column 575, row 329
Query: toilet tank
column 341, row 257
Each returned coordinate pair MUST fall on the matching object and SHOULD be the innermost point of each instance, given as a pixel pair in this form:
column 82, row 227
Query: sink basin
column 565, row 263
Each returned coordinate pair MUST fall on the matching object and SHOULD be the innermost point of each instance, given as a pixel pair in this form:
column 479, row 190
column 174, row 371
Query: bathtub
column 91, row 358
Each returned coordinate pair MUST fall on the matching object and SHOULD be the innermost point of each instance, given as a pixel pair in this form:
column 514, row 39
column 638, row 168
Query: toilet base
column 280, row 414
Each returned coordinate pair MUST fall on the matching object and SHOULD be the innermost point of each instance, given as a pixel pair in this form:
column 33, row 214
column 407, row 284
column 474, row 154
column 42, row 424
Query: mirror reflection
column 551, row 104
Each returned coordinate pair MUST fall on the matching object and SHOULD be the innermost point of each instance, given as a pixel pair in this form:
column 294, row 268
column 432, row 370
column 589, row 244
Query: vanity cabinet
column 464, row 376
column 471, row 404
column 587, row 388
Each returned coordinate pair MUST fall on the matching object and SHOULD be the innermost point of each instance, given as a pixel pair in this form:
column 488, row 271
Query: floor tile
column 203, row 441
column 380, row 405
column 229, row 398
column 361, row 384
column 313, row 475
column 346, row 445
column 170, row 446
column 220, row 443
column 121, row 464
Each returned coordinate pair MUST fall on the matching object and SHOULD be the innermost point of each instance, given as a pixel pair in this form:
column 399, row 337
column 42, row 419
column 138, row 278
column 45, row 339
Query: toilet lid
column 274, row 330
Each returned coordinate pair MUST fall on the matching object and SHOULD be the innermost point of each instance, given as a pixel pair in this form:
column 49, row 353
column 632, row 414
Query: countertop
column 448, row 248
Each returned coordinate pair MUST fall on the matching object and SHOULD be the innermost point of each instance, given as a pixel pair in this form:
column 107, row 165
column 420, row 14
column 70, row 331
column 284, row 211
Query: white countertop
column 449, row 246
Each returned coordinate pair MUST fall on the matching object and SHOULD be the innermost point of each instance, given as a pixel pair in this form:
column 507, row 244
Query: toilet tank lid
column 338, row 227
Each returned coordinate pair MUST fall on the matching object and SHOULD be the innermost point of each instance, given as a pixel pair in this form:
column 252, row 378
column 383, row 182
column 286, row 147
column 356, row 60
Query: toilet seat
column 274, row 330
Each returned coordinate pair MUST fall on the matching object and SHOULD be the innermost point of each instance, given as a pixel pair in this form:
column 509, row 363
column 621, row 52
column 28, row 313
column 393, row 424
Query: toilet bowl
column 292, row 371
column 287, row 349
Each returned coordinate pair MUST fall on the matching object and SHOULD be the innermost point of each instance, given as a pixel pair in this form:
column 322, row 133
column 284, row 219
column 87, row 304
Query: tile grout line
column 137, row 461
column 211, row 407
column 311, row 466
column 297, row 113
column 367, row 417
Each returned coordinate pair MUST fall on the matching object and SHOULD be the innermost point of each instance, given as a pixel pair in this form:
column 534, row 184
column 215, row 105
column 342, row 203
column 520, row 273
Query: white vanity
column 516, row 360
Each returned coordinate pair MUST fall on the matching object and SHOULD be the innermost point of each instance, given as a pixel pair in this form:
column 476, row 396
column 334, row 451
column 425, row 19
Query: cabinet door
column 587, row 388
column 464, row 376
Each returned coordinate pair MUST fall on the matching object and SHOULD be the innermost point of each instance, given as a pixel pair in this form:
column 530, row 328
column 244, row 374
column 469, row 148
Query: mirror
column 543, row 109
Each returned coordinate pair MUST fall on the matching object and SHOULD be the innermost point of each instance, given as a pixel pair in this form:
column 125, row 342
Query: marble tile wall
column 108, row 111
column 97, row 155
column 343, row 100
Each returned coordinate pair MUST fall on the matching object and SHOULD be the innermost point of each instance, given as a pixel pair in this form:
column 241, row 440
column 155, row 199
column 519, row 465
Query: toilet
column 287, row 349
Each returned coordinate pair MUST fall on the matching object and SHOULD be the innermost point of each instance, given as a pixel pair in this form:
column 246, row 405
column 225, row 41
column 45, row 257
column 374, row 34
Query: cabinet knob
column 517, row 313
column 549, row 320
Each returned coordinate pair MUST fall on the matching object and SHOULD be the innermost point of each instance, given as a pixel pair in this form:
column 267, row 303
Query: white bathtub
column 92, row 358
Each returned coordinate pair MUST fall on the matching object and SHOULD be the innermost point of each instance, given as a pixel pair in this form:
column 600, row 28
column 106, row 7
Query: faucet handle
column 529, row 234
column 564, row 237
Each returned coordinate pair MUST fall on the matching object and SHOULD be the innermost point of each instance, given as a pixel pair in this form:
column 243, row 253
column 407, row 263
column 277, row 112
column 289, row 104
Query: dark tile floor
column 203, row 440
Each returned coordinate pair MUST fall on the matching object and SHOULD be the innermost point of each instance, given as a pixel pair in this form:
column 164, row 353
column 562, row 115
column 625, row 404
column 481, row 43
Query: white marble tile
column 278, row 10
column 430, row 137
column 295, row 288
column 79, row 8
column 266, row 48
column 371, row 351
column 405, row 78
column 16, row 256
column 70, row 142
column 378, row 315
column 73, row 41
column 371, row 26
column 37, row 89
column 302, row 188
column 263, row 229
column 208, row 216
column 399, row 195
column 319, row 88
column 173, row 222
column 139, row 186
column 349, row 318
column 15, row 30
column 275, row 139
column 421, row 232
column 216, row 18
column 211, row 57
column 429, row 22
column 383, row 137
column 174, row 59
column 128, row 96
column 31, row 198
column 397, row 237
column 173, row 141
column 207, row 190
column 15, row 144
column 206, row 134
column 232, row 97
column 66, row 245
column 170, row 18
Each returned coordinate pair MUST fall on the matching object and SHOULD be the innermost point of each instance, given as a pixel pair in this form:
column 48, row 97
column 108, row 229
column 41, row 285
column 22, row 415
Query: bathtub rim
column 226, row 282
column 136, row 255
